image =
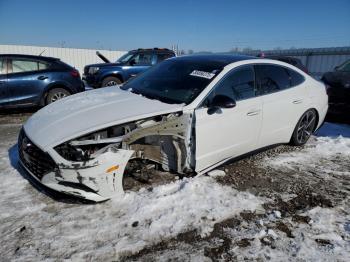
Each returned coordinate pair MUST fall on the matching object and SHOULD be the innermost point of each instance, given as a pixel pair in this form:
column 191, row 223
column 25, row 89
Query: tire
column 304, row 128
column 111, row 81
column 56, row 94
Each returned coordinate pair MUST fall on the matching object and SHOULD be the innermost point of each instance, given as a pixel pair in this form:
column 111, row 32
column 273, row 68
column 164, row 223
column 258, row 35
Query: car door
column 3, row 82
column 26, row 80
column 228, row 132
column 283, row 103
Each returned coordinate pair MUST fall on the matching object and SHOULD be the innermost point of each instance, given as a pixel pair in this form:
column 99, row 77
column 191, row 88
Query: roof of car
column 222, row 60
column 281, row 57
column 29, row 56
column 153, row 49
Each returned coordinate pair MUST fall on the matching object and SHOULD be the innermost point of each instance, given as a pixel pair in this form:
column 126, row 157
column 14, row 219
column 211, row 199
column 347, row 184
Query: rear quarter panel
column 318, row 98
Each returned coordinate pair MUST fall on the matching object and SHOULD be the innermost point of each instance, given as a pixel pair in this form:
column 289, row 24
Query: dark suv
column 27, row 80
column 129, row 65
column 338, row 89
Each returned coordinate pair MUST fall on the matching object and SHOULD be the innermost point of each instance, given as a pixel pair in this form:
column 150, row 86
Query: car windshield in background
column 174, row 81
column 125, row 58
column 344, row 67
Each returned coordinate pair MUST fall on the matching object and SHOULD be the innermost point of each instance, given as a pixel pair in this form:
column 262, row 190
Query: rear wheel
column 111, row 81
column 56, row 94
column 304, row 128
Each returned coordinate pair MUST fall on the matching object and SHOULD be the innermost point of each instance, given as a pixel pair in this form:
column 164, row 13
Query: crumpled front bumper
column 97, row 180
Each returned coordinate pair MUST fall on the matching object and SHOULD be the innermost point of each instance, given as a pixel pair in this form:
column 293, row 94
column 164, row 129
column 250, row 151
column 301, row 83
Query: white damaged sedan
column 186, row 115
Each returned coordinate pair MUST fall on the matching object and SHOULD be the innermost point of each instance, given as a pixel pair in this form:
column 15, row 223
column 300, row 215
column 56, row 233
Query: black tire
column 304, row 128
column 111, row 81
column 56, row 94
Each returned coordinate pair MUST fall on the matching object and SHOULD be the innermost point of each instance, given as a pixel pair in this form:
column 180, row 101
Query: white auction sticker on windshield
column 202, row 74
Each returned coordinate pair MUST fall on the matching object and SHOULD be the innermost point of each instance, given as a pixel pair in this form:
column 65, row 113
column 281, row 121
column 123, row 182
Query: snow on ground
column 36, row 227
column 328, row 153
column 123, row 226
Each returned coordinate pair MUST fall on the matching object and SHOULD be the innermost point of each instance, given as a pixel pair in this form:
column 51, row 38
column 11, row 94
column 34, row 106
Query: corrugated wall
column 73, row 56
column 317, row 60
column 319, row 64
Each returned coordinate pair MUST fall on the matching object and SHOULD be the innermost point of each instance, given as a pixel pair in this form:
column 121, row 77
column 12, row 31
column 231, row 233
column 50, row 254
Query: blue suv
column 27, row 80
column 129, row 65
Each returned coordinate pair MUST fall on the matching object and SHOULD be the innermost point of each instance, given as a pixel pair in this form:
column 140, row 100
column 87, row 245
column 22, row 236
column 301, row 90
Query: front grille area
column 38, row 162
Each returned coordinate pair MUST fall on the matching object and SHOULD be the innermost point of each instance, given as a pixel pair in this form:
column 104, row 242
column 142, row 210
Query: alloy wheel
column 306, row 126
column 58, row 96
column 112, row 83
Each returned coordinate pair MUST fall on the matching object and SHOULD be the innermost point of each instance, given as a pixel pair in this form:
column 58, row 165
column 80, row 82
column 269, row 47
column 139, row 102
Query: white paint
column 251, row 124
column 90, row 111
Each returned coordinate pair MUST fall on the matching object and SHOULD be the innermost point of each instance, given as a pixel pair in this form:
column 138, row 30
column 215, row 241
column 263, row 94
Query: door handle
column 298, row 101
column 253, row 113
column 42, row 77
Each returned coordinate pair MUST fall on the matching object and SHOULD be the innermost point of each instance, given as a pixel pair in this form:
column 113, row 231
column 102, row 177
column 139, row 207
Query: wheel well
column 43, row 98
column 114, row 75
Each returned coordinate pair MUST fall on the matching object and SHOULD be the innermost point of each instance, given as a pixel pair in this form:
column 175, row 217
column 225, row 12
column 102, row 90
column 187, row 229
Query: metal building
column 74, row 56
column 317, row 60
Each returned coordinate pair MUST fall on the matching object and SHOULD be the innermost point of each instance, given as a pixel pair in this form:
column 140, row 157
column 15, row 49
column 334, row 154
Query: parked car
column 27, row 80
column 290, row 60
column 129, row 65
column 338, row 89
column 187, row 114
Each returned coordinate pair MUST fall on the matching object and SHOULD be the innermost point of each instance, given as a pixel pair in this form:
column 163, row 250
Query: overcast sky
column 198, row 25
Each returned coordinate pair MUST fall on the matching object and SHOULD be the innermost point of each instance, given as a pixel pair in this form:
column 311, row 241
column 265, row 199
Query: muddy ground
column 299, row 203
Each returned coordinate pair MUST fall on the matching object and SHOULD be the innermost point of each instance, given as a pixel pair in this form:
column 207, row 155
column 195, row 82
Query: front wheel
column 56, row 94
column 304, row 128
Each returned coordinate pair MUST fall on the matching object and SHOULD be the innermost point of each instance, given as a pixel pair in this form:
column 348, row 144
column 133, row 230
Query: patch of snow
column 321, row 155
column 35, row 227
column 328, row 225
column 216, row 173
column 277, row 214
column 272, row 234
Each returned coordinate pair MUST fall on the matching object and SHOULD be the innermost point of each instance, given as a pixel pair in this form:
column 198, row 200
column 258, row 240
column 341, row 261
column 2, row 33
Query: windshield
column 174, row 81
column 344, row 67
column 125, row 58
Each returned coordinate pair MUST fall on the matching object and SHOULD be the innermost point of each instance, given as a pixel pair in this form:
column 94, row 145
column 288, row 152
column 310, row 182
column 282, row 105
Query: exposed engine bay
column 163, row 143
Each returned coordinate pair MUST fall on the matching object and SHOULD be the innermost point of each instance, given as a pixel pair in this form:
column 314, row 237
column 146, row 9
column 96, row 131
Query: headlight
column 93, row 70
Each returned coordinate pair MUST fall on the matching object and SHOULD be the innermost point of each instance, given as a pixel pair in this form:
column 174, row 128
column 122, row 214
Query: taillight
column 75, row 73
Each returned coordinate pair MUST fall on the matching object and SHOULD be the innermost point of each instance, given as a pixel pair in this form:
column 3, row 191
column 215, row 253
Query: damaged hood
column 90, row 111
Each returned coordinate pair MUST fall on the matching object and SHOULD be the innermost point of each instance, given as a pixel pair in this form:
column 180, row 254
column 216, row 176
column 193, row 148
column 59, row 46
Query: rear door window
column 271, row 79
column 22, row 65
column 295, row 78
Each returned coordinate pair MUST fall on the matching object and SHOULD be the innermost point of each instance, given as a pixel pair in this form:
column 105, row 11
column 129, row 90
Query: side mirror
column 220, row 101
column 336, row 68
column 132, row 62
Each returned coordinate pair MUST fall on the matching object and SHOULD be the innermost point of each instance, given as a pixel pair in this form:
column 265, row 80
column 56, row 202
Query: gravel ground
column 285, row 203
